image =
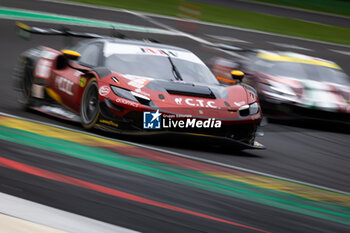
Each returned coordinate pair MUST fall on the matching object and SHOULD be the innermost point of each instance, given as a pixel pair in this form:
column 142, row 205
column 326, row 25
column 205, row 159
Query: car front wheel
column 90, row 109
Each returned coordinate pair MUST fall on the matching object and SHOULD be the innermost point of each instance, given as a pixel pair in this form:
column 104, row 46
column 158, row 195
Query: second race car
column 292, row 85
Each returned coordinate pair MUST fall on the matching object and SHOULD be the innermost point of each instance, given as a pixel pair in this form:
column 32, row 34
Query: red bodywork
column 66, row 86
column 69, row 84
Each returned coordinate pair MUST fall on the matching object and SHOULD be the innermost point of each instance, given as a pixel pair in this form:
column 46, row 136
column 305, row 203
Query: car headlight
column 137, row 95
column 133, row 96
column 253, row 108
column 126, row 94
column 250, row 109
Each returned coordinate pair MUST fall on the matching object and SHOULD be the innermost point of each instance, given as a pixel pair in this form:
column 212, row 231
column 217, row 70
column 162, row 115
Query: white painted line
column 228, row 39
column 184, row 34
column 199, row 22
column 29, row 15
column 181, row 155
column 9, row 224
column 289, row 46
column 341, row 51
column 54, row 218
column 143, row 16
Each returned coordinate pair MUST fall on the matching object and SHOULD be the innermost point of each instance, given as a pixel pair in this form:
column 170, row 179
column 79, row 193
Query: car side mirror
column 237, row 75
column 71, row 55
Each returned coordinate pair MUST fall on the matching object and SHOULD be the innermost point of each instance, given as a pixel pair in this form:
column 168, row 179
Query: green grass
column 340, row 7
column 238, row 18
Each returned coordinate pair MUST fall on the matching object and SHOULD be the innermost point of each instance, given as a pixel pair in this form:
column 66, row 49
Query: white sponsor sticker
column 127, row 102
column 198, row 103
column 137, row 81
column 48, row 55
column 64, row 85
column 104, row 90
column 43, row 68
column 178, row 101
column 115, row 48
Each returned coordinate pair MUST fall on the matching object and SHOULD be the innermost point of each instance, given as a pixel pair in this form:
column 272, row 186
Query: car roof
column 146, row 47
column 296, row 57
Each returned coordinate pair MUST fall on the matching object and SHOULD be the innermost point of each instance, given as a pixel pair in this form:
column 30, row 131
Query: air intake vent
column 190, row 90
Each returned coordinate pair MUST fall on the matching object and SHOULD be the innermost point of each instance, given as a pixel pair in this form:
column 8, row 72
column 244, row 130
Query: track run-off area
column 111, row 183
column 231, row 183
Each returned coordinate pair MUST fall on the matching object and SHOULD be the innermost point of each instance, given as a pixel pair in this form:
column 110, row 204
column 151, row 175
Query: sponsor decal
column 64, row 85
column 111, row 123
column 199, row 103
column 104, row 90
column 162, row 52
column 48, row 55
column 127, row 102
column 178, row 101
column 82, row 82
column 155, row 120
column 136, row 81
column 43, row 68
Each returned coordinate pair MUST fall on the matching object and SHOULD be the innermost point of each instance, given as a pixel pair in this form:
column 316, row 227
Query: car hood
column 192, row 98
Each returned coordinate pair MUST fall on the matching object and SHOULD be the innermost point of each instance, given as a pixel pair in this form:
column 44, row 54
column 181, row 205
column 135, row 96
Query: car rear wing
column 25, row 31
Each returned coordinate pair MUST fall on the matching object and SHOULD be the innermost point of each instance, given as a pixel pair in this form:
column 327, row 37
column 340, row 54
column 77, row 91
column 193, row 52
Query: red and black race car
column 133, row 86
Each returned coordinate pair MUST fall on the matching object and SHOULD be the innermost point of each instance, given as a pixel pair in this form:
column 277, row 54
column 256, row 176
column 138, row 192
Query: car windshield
column 302, row 71
column 159, row 67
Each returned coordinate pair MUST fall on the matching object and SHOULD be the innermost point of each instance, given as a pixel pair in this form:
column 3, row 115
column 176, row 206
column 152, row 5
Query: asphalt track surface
column 317, row 154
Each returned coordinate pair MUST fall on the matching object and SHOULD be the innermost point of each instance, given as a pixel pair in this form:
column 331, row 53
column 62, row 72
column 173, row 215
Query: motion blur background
column 300, row 183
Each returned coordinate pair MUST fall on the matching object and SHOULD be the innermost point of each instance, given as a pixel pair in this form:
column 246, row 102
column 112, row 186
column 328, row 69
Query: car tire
column 23, row 79
column 90, row 108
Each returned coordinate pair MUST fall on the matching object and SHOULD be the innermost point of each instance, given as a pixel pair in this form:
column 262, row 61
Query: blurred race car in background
column 133, row 86
column 292, row 85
